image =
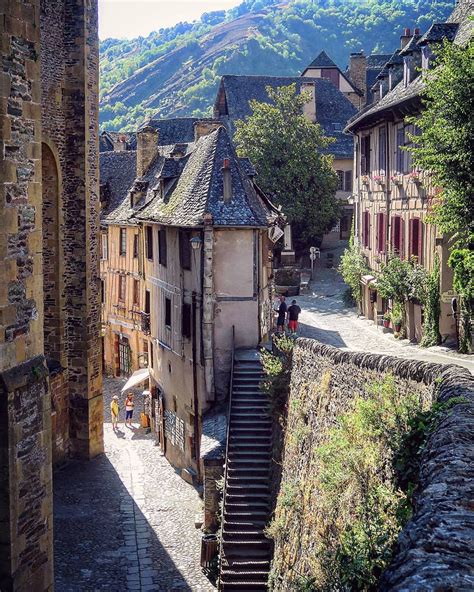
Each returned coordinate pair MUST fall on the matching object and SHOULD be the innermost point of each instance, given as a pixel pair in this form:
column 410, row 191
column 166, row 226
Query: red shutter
column 420, row 242
column 402, row 238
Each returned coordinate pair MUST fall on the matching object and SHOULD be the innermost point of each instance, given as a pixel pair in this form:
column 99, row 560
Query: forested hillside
column 175, row 71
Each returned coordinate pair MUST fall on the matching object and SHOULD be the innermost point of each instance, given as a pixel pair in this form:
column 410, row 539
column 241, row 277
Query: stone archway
column 53, row 325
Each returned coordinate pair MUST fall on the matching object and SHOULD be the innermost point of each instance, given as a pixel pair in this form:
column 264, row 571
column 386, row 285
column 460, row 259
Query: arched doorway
column 52, row 258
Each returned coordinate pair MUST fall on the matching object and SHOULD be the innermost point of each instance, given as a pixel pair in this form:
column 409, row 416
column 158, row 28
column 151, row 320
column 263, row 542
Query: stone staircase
column 245, row 551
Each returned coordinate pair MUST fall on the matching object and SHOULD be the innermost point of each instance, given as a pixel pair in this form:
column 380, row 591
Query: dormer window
column 407, row 70
column 426, row 57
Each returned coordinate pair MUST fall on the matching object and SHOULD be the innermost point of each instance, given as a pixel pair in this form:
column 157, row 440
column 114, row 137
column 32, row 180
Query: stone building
column 50, row 369
column 323, row 67
column 207, row 270
column 392, row 199
column 329, row 107
column 125, row 310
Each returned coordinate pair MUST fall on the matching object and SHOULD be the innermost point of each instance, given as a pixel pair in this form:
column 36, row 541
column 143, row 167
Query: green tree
column 445, row 147
column 287, row 151
column 353, row 266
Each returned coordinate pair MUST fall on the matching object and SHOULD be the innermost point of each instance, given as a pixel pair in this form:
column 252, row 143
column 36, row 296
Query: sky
column 131, row 18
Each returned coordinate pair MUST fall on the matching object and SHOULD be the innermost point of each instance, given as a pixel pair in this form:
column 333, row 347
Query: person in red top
column 293, row 314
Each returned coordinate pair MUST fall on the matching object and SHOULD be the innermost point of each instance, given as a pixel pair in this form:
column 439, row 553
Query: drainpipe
column 208, row 306
column 197, row 448
column 387, row 190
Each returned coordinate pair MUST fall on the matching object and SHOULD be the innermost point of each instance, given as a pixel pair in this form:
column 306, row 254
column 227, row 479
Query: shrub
column 277, row 367
column 352, row 267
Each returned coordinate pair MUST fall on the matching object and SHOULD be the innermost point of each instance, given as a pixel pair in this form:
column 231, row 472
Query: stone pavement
column 326, row 318
column 125, row 521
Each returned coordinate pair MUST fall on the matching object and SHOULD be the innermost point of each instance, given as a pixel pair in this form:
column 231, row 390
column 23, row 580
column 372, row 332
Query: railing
column 227, row 447
column 145, row 323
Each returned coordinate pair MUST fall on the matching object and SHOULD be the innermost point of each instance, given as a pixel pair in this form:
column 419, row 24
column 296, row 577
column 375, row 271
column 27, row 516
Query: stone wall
column 58, row 385
column 433, row 550
column 26, row 538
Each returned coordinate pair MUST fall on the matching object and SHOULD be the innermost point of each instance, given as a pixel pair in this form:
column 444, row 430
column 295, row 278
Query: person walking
column 281, row 315
column 129, row 405
column 293, row 314
column 114, row 411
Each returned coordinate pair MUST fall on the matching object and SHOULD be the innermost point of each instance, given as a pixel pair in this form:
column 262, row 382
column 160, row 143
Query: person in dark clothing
column 282, row 310
column 293, row 314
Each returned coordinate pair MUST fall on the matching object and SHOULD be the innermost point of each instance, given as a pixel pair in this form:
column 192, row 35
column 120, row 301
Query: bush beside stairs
column 245, row 550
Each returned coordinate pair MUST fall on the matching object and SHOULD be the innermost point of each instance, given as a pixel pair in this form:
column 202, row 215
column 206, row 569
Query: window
column 151, row 354
column 365, row 155
column 186, row 320
column 366, row 229
column 149, row 243
column 136, row 292
column 162, row 251
column 400, row 152
column 123, row 241
column 382, row 149
column 397, row 236
column 168, row 312
column 104, row 251
column 416, row 239
column 102, row 291
column 340, row 180
column 381, row 232
column 185, row 249
column 348, row 181
column 135, row 246
column 121, row 290
column 147, row 301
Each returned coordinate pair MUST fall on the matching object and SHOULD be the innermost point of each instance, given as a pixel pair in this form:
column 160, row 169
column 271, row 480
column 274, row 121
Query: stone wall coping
column 434, row 550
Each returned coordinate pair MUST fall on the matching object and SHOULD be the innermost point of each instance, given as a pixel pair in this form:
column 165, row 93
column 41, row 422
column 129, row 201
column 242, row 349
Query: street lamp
column 196, row 243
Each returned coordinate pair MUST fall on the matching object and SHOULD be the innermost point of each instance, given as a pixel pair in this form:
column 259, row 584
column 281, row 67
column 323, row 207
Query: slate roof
column 173, row 131
column 401, row 94
column 322, row 61
column 377, row 60
column 333, row 109
column 117, row 174
column 107, row 139
column 199, row 189
column 439, row 31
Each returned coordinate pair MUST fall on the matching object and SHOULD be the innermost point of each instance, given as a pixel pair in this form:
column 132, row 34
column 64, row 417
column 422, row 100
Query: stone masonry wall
column 26, row 537
column 433, row 550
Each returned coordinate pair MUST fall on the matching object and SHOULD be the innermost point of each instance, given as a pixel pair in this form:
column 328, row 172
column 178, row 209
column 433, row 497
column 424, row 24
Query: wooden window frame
column 348, row 181
column 398, row 229
column 415, row 239
column 122, row 242
column 185, row 249
column 162, row 247
column 168, row 313
column 122, row 288
column 381, row 232
column 136, row 292
column 104, row 246
column 149, row 242
column 366, row 229
column 135, row 246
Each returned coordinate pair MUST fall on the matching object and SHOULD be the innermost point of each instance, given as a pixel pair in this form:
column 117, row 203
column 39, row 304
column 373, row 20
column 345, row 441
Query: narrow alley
column 325, row 317
column 125, row 521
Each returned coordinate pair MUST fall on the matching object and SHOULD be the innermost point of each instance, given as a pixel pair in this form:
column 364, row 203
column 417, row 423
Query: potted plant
column 379, row 180
column 386, row 319
column 365, row 180
column 396, row 180
column 396, row 317
column 415, row 177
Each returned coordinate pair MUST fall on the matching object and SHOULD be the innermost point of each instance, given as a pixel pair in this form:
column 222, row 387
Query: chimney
column 309, row 108
column 405, row 38
column 204, row 127
column 358, row 70
column 120, row 144
column 147, row 148
column 227, row 181
column 416, row 31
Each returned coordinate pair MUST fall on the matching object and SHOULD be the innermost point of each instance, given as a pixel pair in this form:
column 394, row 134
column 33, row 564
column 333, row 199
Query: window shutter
column 420, row 242
column 348, row 181
column 186, row 320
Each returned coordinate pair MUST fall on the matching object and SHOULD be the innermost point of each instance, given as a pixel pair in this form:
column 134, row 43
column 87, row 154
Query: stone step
column 243, row 535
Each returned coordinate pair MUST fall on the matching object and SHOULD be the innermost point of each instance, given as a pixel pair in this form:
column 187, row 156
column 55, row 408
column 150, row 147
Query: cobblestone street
column 325, row 317
column 125, row 521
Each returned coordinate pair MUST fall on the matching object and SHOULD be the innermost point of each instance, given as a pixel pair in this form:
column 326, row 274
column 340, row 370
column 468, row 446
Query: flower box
column 379, row 180
column 415, row 177
column 365, row 180
column 398, row 181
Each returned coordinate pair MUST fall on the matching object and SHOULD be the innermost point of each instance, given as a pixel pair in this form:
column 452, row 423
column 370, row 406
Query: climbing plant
column 432, row 308
column 462, row 262
column 352, row 267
